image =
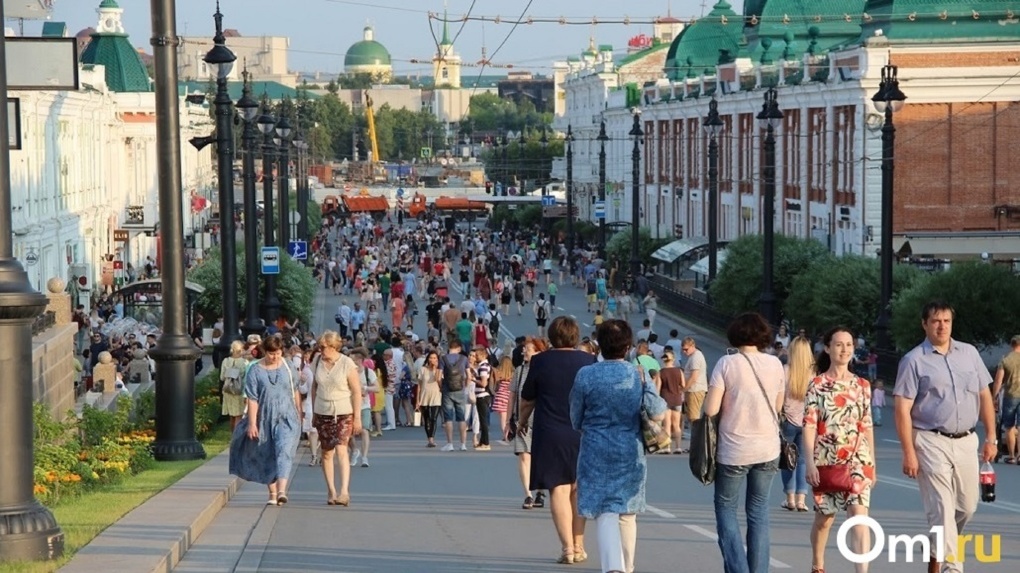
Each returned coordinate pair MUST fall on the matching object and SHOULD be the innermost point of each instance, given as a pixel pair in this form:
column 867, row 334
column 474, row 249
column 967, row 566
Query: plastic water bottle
column 987, row 476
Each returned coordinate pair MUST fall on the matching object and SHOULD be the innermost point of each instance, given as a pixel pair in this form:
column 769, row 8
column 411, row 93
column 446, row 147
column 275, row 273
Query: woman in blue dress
column 605, row 406
column 263, row 445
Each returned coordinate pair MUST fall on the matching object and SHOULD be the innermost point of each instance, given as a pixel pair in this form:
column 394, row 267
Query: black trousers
column 429, row 415
column 482, row 404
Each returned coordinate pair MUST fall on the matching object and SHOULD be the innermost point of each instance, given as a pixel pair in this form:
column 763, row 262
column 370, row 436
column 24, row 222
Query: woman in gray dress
column 605, row 406
column 263, row 445
column 522, row 442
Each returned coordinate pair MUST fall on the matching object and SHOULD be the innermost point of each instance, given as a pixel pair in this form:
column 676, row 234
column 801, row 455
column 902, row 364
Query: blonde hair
column 236, row 348
column 331, row 339
column 800, row 368
column 505, row 370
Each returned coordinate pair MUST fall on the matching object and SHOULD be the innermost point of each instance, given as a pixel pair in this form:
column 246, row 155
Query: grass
column 84, row 517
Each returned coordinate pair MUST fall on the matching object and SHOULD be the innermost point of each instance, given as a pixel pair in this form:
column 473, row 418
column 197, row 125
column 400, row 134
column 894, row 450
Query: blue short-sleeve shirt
column 945, row 388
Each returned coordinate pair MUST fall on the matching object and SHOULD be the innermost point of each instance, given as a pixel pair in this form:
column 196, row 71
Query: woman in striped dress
column 501, row 403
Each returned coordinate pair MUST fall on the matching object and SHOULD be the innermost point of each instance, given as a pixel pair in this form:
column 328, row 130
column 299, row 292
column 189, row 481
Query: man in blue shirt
column 942, row 391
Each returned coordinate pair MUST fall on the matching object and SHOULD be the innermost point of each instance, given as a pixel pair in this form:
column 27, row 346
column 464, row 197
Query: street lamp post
column 506, row 166
column 602, row 139
column 522, row 172
column 769, row 119
column 635, row 205
column 249, row 110
column 282, row 141
column 887, row 100
column 222, row 60
column 29, row 532
column 713, row 126
column 267, row 124
column 175, row 352
column 302, row 188
column 570, row 199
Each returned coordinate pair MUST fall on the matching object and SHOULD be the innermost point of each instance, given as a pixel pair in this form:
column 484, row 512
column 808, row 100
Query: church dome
column 109, row 47
column 367, row 55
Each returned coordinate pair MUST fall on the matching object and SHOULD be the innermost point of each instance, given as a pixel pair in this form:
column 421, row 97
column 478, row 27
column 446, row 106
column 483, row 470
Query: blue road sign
column 400, row 192
column 600, row 210
column 548, row 201
column 270, row 260
column 298, row 250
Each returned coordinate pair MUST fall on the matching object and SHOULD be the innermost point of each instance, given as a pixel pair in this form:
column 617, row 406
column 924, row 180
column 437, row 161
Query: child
column 599, row 319
column 877, row 402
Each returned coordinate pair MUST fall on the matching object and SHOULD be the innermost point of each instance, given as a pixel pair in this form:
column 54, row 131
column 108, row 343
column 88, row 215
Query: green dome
column 367, row 52
column 702, row 43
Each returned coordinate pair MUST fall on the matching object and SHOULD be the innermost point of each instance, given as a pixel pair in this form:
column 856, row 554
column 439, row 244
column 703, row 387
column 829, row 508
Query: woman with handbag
column 335, row 395
column 611, row 465
column 746, row 391
column 800, row 369
column 838, row 445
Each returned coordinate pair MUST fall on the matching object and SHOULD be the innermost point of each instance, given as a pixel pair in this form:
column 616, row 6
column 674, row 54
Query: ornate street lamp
column 769, row 119
column 267, row 125
column 175, row 352
column 887, row 100
column 602, row 139
column 222, row 61
column 249, row 111
column 29, row 532
column 302, row 188
column 713, row 126
column 570, row 199
column 635, row 205
column 282, row 141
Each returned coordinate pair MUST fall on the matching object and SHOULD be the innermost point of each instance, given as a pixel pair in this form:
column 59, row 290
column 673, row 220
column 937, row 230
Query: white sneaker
column 447, row 448
column 354, row 457
column 364, row 462
column 463, row 447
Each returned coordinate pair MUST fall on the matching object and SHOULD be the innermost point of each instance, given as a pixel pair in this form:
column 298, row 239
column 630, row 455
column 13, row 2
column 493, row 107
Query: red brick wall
column 954, row 163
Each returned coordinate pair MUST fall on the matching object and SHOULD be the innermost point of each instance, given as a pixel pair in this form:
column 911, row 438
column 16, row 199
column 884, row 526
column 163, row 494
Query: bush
column 618, row 248
column 208, row 404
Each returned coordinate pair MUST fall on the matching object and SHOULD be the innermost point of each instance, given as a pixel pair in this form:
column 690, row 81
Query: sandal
column 803, row 509
column 567, row 558
column 344, row 500
column 281, row 498
column 580, row 556
column 788, row 506
column 529, row 502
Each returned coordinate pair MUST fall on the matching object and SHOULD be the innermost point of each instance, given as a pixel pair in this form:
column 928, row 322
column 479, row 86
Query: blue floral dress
column 605, row 406
column 271, row 456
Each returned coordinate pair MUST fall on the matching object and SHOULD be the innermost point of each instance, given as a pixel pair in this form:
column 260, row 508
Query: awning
column 679, row 248
column 701, row 267
column 958, row 245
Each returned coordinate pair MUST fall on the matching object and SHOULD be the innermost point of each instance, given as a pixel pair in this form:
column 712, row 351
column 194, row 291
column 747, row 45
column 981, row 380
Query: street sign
column 426, row 152
column 600, row 210
column 31, row 258
column 298, row 250
column 121, row 235
column 616, row 200
column 270, row 260
column 295, row 217
column 548, row 201
column 400, row 192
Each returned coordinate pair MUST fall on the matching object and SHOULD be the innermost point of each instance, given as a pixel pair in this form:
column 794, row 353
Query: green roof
column 367, row 53
column 125, row 71
column 792, row 25
column 941, row 20
column 109, row 4
column 275, row 91
column 701, row 44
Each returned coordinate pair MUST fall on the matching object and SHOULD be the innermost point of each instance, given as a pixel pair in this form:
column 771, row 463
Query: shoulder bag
column 838, row 478
column 653, row 435
column 788, row 451
column 704, row 444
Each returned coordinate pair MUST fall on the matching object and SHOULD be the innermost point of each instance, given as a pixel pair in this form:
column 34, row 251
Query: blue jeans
column 728, row 481
column 795, row 480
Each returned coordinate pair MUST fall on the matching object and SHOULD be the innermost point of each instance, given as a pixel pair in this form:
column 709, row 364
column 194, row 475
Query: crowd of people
column 570, row 404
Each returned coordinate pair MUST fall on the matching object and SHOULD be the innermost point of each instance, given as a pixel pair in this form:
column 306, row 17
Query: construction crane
column 375, row 166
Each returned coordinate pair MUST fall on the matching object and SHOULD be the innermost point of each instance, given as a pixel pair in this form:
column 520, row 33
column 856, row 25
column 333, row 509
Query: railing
column 43, row 322
column 687, row 307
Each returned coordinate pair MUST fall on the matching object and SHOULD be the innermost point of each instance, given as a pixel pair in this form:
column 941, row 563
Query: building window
column 816, row 156
column 745, row 153
column 791, row 154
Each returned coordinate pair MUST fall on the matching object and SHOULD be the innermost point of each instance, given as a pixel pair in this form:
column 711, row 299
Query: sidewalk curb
column 154, row 536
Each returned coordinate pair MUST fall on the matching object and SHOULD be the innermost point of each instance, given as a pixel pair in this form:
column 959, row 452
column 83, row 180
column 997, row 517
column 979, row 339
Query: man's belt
column 954, row 436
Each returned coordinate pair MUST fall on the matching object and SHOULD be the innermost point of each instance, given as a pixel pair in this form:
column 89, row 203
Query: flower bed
column 103, row 447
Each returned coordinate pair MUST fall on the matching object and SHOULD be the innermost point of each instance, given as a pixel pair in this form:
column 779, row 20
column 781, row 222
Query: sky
column 320, row 31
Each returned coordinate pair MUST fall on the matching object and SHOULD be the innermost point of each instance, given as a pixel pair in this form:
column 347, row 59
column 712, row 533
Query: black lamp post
column 282, row 141
column 302, row 188
column 887, row 100
column 222, row 60
column 602, row 139
column 249, row 110
column 570, row 199
column 267, row 125
column 29, row 531
column 523, row 167
column 769, row 119
column 713, row 126
column 635, row 205
column 175, row 352
column 506, row 166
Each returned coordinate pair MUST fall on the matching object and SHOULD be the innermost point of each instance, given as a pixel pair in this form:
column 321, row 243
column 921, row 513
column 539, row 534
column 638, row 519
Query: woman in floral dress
column 838, row 430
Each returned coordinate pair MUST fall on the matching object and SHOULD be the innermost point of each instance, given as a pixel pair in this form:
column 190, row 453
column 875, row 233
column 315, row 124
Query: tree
column 842, row 291
column 334, row 121
column 983, row 296
column 618, row 248
column 737, row 286
column 295, row 286
column 486, row 111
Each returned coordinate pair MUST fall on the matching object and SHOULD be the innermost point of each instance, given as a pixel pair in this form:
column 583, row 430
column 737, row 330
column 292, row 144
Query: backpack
column 542, row 313
column 493, row 359
column 339, row 319
column 233, row 385
column 590, row 283
column 494, row 323
column 453, row 375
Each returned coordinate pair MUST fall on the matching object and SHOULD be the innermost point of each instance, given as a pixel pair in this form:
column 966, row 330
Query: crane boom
column 370, row 115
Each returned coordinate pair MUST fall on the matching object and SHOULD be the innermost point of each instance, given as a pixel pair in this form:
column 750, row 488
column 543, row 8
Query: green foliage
column 585, row 230
column 295, row 286
column 842, row 291
column 97, row 425
column 619, row 245
column 984, row 297
column 529, row 217
column 737, row 286
column 208, row 404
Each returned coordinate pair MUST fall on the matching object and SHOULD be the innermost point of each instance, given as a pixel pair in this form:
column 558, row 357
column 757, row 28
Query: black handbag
column 704, row 443
column 788, row 451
